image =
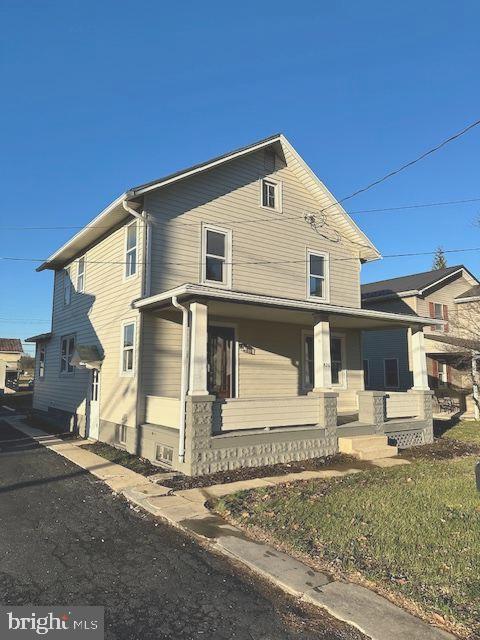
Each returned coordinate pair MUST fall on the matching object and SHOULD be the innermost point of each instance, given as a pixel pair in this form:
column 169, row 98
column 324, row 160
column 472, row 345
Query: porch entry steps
column 367, row 447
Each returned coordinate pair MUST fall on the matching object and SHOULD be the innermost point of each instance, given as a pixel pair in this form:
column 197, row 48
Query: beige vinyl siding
column 162, row 354
column 232, row 193
column 95, row 318
column 407, row 305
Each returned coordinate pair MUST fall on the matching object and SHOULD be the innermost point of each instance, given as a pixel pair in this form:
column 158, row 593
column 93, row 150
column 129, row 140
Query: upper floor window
column 81, row 275
column 67, row 286
column 131, row 249
column 272, row 195
column 439, row 312
column 216, row 256
column 390, row 371
column 41, row 360
column 66, row 353
column 128, row 348
column 317, row 277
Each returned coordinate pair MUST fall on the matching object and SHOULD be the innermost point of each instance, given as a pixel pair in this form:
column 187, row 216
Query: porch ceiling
column 273, row 309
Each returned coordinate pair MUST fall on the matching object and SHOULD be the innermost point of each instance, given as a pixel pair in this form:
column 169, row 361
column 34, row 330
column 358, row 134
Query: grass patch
column 119, row 456
column 467, row 431
column 414, row 530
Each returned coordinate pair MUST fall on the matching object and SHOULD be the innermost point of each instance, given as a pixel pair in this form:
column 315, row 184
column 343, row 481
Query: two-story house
column 451, row 295
column 212, row 319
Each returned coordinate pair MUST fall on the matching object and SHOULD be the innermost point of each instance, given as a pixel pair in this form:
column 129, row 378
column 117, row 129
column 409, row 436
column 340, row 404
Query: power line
column 253, row 262
column 277, row 218
column 394, row 172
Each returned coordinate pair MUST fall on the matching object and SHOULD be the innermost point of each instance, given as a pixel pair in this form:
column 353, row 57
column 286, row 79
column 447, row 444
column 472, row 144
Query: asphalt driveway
column 65, row 539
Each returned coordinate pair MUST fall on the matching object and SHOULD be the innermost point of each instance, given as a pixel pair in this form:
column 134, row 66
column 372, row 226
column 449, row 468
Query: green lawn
column 464, row 431
column 414, row 529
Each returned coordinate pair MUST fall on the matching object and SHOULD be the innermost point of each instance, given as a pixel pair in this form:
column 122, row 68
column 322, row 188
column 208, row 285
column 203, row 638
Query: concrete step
column 367, row 447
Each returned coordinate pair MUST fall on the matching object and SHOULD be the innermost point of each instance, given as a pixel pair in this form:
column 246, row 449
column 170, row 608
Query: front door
column 93, row 412
column 221, row 361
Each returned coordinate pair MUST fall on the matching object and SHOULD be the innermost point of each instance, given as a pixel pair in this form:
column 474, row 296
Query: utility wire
column 276, row 218
column 394, row 172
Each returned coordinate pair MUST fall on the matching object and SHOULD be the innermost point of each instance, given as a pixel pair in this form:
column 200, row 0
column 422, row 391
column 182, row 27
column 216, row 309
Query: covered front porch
column 278, row 376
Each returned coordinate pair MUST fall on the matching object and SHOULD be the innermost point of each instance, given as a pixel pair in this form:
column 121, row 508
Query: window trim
column 366, row 379
column 278, row 195
column 42, row 348
column 67, row 286
column 326, row 279
column 442, row 368
column 128, row 374
column 397, row 386
column 126, row 251
column 67, row 337
column 343, row 383
column 80, row 260
column 227, row 281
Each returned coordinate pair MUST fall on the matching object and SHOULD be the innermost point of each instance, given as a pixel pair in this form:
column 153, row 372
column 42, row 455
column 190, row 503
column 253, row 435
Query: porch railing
column 260, row 413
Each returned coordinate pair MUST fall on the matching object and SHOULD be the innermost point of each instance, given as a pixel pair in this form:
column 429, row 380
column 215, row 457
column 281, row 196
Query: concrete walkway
column 375, row 616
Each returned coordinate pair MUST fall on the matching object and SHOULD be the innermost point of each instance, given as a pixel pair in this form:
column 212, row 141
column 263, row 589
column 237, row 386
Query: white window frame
column 442, row 373
column 68, row 354
column 67, row 286
column 343, row 378
column 366, row 379
column 326, row 277
column 278, row 195
column 435, row 305
column 42, row 350
column 125, row 323
column 227, row 270
column 385, row 374
column 126, row 252
column 80, row 274
column 122, row 428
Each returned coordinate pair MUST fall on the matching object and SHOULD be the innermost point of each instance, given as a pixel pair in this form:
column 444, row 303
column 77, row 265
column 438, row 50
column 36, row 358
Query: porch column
column 419, row 360
column 198, row 349
column 321, row 353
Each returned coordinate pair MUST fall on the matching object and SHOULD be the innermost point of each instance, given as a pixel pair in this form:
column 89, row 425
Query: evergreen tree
column 439, row 261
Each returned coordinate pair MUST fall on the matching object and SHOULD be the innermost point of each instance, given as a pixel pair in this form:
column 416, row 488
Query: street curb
column 370, row 613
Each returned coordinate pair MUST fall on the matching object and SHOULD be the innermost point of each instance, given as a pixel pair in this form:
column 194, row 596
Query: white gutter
column 238, row 296
column 185, row 374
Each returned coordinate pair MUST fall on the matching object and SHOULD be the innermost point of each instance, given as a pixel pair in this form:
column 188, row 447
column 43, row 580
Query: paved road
column 65, row 540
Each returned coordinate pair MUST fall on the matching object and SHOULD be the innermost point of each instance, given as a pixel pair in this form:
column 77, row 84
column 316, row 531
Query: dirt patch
column 441, row 449
column 119, row 456
column 338, row 462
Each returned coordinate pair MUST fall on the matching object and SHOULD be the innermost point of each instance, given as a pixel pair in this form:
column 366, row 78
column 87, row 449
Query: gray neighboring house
column 445, row 294
column 212, row 319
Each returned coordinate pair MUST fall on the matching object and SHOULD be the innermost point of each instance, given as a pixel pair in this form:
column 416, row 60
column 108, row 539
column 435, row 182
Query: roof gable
column 413, row 284
column 115, row 211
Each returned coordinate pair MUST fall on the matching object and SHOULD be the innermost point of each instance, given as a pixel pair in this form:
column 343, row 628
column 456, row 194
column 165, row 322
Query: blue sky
column 99, row 96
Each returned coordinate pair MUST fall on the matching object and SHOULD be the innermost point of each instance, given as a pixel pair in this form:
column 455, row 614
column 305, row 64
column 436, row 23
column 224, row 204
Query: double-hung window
column 67, row 286
column 41, row 360
column 317, row 276
column 439, row 312
column 81, row 275
column 128, row 348
column 442, row 374
column 216, row 256
column 337, row 354
column 131, row 249
column 391, row 377
column 271, row 195
column 67, row 348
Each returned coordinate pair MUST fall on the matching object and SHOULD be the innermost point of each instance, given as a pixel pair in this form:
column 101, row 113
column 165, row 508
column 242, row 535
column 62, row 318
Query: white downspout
column 185, row 374
column 148, row 245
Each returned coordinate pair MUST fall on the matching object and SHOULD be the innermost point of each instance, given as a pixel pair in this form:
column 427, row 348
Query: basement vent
column 122, row 434
column 164, row 454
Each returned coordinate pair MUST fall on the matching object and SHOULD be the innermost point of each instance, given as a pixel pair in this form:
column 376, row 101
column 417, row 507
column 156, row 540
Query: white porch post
column 321, row 353
column 198, row 349
column 419, row 360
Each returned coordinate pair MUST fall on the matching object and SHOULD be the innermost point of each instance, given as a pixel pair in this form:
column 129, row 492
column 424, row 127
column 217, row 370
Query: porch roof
column 368, row 318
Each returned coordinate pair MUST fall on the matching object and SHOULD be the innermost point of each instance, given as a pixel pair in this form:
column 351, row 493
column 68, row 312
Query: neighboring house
column 446, row 294
column 11, row 351
column 212, row 319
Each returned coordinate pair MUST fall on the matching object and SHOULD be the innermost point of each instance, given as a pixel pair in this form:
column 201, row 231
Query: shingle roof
column 474, row 292
column 12, row 345
column 412, row 282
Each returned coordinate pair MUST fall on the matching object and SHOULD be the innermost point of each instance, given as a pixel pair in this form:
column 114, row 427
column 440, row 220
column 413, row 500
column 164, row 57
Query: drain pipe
column 185, row 374
column 147, row 245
